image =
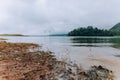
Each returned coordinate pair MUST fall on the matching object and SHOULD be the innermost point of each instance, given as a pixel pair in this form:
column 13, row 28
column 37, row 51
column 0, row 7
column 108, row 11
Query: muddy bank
column 25, row 61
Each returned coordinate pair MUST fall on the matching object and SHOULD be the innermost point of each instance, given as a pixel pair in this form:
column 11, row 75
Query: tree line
column 90, row 31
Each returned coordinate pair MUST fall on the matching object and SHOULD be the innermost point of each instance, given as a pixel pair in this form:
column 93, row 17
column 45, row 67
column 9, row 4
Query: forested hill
column 116, row 29
column 90, row 31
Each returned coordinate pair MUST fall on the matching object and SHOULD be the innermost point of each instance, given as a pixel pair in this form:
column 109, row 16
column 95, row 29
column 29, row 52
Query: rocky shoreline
column 25, row 61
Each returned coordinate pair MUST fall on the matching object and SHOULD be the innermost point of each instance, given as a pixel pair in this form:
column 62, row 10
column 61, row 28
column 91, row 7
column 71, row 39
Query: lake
column 85, row 51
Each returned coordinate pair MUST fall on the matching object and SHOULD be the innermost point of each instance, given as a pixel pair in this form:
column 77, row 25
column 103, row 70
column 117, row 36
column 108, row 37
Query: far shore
column 11, row 35
column 3, row 39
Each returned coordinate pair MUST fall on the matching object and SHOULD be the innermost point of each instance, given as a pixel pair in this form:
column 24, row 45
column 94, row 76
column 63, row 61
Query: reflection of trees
column 90, row 40
column 114, row 41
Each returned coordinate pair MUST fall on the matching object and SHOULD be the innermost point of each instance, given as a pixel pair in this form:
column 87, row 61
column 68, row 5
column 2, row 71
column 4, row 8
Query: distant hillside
column 58, row 35
column 116, row 29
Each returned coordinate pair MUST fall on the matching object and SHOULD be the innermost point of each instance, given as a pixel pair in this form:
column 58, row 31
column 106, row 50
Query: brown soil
column 21, row 61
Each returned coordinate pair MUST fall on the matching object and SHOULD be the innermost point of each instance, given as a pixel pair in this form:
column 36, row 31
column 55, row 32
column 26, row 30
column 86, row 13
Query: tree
column 90, row 31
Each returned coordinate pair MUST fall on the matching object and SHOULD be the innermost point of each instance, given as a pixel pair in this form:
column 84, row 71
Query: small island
column 11, row 35
column 2, row 39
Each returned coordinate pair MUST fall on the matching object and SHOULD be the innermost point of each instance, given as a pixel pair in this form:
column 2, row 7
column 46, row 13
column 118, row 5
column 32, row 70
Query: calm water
column 86, row 51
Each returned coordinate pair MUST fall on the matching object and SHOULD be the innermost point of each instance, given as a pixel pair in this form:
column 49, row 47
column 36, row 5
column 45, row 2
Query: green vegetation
column 90, row 31
column 116, row 29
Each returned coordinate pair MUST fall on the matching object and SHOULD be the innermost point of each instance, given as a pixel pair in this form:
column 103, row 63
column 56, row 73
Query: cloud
column 56, row 16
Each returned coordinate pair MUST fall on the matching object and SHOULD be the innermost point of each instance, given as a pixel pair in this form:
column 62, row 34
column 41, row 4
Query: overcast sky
column 56, row 16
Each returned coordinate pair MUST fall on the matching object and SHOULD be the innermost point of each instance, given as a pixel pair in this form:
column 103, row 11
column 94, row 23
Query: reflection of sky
column 71, row 41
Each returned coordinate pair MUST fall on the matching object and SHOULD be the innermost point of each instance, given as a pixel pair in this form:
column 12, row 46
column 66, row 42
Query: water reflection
column 96, row 41
column 83, row 41
column 90, row 40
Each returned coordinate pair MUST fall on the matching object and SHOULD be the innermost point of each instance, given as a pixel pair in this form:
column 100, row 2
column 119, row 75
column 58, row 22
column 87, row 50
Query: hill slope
column 116, row 27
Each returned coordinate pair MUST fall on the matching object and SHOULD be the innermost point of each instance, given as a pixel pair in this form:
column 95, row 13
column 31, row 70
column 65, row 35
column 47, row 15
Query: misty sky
column 56, row 16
